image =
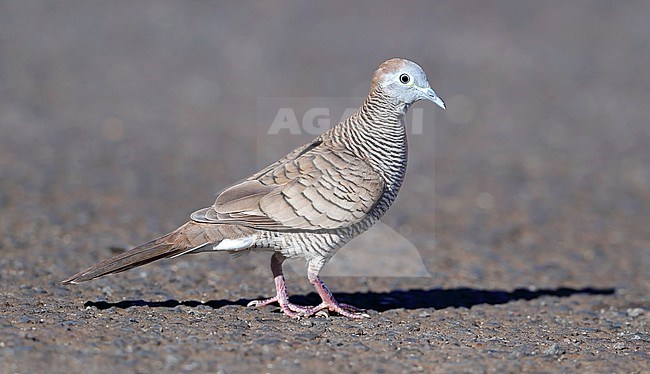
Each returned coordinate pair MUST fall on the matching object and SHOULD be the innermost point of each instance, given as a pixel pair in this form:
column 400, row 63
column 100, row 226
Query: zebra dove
column 311, row 202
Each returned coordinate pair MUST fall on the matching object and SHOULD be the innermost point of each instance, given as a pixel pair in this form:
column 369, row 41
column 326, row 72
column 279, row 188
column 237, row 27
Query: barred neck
column 376, row 132
column 383, row 118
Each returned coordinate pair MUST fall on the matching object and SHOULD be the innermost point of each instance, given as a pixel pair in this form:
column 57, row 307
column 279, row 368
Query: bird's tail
column 185, row 239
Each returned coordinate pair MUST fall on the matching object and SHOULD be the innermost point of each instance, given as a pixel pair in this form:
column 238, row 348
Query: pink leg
column 329, row 303
column 291, row 310
column 297, row 311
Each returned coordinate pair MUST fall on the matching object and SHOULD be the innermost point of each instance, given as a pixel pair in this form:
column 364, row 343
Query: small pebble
column 635, row 312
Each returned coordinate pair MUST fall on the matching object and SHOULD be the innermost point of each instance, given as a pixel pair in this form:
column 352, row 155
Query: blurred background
column 118, row 119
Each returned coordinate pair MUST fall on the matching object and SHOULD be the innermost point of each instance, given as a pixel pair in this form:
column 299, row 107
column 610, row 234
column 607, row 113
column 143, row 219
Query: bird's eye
column 404, row 78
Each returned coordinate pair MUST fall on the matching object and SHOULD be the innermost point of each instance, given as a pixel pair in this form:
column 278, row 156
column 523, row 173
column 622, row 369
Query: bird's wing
column 313, row 188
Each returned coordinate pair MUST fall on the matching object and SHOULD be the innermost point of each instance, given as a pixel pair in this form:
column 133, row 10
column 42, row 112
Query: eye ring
column 404, row 79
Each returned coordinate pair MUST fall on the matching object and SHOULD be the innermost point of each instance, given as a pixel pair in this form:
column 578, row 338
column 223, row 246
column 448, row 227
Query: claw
column 261, row 303
column 322, row 313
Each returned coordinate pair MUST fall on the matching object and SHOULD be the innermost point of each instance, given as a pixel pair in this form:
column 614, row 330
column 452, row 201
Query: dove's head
column 404, row 82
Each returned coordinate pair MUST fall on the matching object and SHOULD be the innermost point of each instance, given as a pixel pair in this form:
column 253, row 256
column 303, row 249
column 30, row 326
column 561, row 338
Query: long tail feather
column 191, row 237
column 168, row 245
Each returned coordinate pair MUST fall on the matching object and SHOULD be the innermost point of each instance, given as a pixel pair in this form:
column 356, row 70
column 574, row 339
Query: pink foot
column 342, row 309
column 290, row 309
column 329, row 304
column 321, row 310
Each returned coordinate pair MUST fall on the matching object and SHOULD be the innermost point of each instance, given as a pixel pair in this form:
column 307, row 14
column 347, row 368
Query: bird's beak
column 433, row 97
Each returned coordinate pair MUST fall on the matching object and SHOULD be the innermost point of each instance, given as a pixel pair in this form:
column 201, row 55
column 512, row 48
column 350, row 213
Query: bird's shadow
column 383, row 301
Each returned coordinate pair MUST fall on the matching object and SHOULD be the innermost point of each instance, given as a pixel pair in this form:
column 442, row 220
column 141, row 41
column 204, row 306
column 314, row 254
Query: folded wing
column 314, row 188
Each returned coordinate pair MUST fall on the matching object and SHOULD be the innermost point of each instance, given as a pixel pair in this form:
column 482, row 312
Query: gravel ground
column 531, row 249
